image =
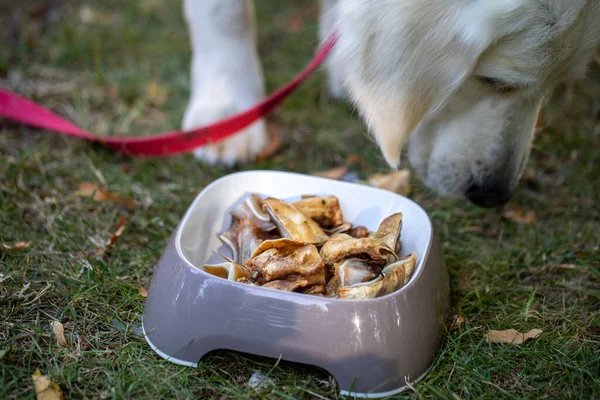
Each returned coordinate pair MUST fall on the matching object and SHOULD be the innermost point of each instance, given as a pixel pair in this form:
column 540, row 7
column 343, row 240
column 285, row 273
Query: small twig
column 96, row 172
column 131, row 116
column 4, row 277
column 269, row 373
column 410, row 385
column 48, row 286
column 316, row 394
column 23, row 290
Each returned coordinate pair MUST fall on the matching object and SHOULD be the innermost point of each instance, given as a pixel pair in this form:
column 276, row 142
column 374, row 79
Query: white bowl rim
column 281, row 294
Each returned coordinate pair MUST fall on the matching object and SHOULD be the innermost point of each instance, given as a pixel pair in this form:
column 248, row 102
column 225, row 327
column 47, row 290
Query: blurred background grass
column 122, row 68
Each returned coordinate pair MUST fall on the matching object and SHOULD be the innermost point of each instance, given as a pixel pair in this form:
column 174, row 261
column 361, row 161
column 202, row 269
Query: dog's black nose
column 489, row 194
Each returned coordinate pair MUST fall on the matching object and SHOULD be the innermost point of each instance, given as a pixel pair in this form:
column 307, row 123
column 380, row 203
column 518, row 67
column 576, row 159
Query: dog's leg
column 226, row 75
column 333, row 65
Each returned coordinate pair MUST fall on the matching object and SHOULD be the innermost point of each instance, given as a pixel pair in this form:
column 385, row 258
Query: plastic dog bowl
column 373, row 348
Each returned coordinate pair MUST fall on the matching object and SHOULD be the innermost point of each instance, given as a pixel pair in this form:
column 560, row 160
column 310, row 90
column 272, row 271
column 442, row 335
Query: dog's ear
column 403, row 59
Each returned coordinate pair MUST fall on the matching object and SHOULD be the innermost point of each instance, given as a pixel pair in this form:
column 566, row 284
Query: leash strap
column 20, row 109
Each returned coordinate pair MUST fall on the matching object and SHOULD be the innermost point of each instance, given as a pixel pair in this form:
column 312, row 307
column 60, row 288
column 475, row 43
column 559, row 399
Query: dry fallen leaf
column 156, row 94
column 295, row 23
column 17, row 245
column 88, row 189
column 45, row 389
column 458, row 321
column 143, row 292
column 335, row 173
column 592, row 332
column 511, row 336
column 113, row 238
column 274, row 145
column 353, row 159
column 112, row 92
column 519, row 215
column 59, row 333
column 396, row 181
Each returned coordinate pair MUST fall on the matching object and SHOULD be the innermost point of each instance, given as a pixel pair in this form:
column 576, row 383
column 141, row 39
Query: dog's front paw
column 242, row 147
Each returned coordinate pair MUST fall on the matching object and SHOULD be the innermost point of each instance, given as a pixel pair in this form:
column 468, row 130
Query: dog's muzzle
column 489, row 194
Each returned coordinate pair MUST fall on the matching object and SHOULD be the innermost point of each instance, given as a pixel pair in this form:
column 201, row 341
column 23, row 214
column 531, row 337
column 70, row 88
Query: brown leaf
column 458, row 321
column 156, row 94
column 294, row 22
column 112, row 92
column 474, row 228
column 59, row 333
column 113, row 238
column 335, row 173
column 17, row 245
column 45, row 389
column 511, row 336
column 353, row 159
column 396, row 181
column 519, row 215
column 143, row 292
column 274, row 145
column 593, row 331
column 88, row 189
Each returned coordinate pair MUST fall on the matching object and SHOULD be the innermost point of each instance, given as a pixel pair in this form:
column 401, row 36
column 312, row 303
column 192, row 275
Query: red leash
column 19, row 109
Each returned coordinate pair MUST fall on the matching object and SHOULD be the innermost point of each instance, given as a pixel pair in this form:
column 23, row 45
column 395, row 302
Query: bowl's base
column 409, row 385
column 164, row 355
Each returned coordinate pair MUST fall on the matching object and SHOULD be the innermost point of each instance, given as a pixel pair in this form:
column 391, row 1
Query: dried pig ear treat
column 249, row 238
column 228, row 270
column 348, row 273
column 341, row 247
column 353, row 271
column 389, row 231
column 252, row 208
column 392, row 278
column 359, row 232
column 341, row 228
column 243, row 238
column 306, row 247
column 325, row 211
column 292, row 224
column 286, row 286
column 295, row 260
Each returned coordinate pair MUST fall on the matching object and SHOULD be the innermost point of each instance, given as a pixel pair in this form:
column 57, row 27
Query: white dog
column 460, row 80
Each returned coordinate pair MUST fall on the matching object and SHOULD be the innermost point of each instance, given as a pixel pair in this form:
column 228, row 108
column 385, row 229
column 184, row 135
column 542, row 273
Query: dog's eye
column 498, row 85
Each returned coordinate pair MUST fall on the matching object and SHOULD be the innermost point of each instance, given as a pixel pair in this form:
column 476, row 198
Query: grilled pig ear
column 292, row 224
column 392, row 278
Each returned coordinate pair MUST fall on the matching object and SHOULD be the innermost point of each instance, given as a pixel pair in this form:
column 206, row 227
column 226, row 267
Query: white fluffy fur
column 414, row 70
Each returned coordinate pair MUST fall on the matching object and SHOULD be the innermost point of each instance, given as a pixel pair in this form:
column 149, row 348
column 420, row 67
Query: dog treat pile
column 307, row 247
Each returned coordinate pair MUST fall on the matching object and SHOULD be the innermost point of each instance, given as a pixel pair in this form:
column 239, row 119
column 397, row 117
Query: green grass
column 504, row 275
